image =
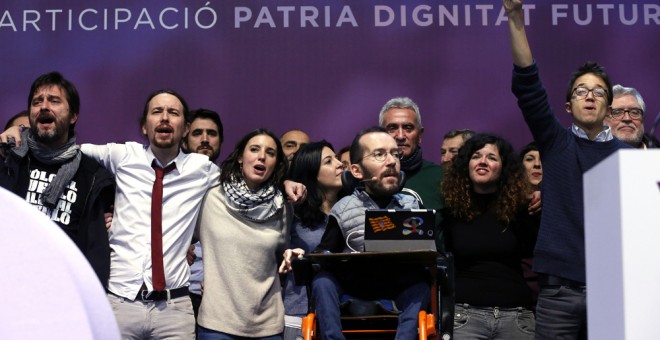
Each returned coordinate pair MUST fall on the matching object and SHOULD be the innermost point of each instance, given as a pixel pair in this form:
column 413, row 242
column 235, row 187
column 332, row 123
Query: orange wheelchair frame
column 440, row 266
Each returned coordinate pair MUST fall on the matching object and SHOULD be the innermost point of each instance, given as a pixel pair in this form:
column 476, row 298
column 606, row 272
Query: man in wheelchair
column 375, row 160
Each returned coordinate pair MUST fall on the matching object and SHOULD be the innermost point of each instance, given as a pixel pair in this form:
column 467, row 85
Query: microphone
column 372, row 179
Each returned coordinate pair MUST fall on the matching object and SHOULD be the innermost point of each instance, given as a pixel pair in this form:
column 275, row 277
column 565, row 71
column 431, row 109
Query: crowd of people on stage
column 189, row 247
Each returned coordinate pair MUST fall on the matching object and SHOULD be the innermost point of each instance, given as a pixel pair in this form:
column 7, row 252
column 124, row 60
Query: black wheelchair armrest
column 303, row 274
column 447, row 298
column 303, row 271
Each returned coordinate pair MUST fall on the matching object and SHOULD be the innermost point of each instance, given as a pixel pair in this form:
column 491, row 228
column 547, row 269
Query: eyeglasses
column 381, row 155
column 582, row 92
column 635, row 113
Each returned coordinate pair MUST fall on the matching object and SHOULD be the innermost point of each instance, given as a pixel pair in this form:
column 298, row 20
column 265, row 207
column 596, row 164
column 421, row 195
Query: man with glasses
column 375, row 161
column 627, row 117
column 559, row 256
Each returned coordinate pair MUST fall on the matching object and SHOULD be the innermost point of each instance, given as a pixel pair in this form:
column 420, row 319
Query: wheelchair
column 434, row 322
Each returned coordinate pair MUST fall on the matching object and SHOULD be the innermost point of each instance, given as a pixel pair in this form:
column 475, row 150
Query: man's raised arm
column 522, row 54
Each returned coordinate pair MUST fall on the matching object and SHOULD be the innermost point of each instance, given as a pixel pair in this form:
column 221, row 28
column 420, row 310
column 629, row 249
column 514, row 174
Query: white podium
column 622, row 235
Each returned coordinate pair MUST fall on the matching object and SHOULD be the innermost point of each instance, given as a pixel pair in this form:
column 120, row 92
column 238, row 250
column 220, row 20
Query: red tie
column 157, row 271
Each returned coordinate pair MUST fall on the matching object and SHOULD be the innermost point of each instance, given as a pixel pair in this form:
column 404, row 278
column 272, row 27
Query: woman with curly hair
column 315, row 166
column 489, row 231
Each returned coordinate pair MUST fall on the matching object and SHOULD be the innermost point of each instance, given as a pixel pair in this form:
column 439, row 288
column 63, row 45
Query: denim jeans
column 561, row 313
column 481, row 323
column 209, row 334
column 326, row 291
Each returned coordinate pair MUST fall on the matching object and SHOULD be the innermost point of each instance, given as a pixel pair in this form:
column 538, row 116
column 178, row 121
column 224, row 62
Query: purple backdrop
column 325, row 67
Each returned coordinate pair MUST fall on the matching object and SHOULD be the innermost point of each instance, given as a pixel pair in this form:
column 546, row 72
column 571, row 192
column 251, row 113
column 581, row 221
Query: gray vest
column 350, row 210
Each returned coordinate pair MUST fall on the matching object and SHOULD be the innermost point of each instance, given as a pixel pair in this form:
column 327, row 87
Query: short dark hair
column 11, row 120
column 56, row 78
column 341, row 151
column 186, row 113
column 595, row 69
column 527, row 148
column 231, row 168
column 207, row 114
column 357, row 149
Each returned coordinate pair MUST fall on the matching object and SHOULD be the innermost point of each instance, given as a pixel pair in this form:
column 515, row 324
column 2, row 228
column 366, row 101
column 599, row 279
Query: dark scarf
column 68, row 155
column 411, row 164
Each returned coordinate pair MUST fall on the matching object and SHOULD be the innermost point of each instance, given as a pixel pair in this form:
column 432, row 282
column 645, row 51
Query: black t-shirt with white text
column 71, row 204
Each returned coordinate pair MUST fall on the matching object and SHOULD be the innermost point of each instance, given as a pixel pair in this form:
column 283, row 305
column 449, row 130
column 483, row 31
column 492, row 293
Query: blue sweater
column 306, row 238
column 560, row 245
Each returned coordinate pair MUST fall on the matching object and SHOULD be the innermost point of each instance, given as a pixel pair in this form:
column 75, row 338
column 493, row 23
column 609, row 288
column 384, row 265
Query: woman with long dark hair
column 315, row 166
column 489, row 230
column 243, row 227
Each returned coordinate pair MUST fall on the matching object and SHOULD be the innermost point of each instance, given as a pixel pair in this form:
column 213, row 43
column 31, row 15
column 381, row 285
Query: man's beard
column 46, row 137
column 163, row 144
column 633, row 139
column 205, row 149
column 377, row 188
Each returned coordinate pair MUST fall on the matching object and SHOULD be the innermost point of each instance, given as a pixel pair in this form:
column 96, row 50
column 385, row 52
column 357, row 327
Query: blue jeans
column 326, row 291
column 481, row 323
column 561, row 313
column 208, row 334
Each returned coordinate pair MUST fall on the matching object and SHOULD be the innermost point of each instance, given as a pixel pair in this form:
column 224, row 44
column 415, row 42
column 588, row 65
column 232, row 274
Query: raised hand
column 512, row 5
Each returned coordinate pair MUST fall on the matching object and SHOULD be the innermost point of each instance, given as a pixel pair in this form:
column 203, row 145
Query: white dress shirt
column 130, row 233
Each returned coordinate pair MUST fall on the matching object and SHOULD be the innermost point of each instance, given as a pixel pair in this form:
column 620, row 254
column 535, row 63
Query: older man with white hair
column 626, row 119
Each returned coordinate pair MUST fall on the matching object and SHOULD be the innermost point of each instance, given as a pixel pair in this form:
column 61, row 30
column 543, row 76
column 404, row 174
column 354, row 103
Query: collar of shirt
column 178, row 159
column 603, row 136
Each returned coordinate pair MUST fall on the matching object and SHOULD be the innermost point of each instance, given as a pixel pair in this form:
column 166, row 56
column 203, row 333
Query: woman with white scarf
column 243, row 227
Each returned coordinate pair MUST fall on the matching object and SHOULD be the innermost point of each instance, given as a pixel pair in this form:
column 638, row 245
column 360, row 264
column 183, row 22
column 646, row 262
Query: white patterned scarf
column 255, row 205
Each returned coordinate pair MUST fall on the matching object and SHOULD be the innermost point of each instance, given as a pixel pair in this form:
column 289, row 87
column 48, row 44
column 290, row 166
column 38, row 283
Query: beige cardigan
column 242, row 290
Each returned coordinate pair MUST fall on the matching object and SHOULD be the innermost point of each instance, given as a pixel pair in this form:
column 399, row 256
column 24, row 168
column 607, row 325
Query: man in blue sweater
column 567, row 154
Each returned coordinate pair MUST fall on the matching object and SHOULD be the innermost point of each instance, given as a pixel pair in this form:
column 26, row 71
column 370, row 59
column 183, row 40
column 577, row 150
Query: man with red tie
column 159, row 191
column 157, row 200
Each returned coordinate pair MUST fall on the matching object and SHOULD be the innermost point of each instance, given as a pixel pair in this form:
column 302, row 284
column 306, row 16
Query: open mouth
column 45, row 119
column 389, row 174
column 164, row 129
column 260, row 167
